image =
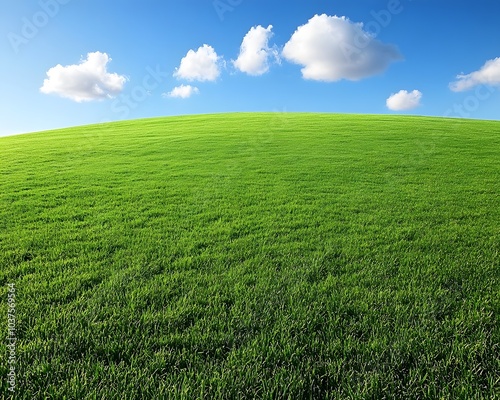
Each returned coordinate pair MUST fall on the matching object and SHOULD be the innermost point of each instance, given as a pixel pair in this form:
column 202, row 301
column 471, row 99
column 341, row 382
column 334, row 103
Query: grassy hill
column 269, row 256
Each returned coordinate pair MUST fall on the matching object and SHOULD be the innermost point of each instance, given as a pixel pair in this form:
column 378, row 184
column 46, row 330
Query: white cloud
column 182, row 92
column 404, row 100
column 489, row 74
column 89, row 80
column 255, row 51
column 332, row 48
column 201, row 65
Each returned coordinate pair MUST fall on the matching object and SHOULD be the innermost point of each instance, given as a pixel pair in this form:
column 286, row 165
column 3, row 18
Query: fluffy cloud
column 334, row 48
column 89, row 80
column 183, row 92
column 201, row 65
column 255, row 51
column 489, row 74
column 404, row 100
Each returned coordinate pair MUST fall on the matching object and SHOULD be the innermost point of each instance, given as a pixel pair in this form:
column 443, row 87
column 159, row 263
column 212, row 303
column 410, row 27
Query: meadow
column 254, row 256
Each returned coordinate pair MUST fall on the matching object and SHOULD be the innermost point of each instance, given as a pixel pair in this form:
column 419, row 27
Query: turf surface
column 254, row 256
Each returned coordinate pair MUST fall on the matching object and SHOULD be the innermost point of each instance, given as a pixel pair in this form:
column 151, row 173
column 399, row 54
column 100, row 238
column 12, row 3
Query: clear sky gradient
column 310, row 60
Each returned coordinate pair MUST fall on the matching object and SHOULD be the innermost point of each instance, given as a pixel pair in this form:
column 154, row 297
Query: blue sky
column 122, row 60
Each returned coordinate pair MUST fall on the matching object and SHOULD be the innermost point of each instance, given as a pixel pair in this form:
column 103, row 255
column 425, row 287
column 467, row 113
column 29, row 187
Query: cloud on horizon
column 182, row 92
column 404, row 100
column 87, row 81
column 332, row 48
column 488, row 74
column 255, row 52
column 201, row 65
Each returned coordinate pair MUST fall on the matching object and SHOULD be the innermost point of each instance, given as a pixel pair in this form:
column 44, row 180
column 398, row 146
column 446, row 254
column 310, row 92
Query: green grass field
column 254, row 256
